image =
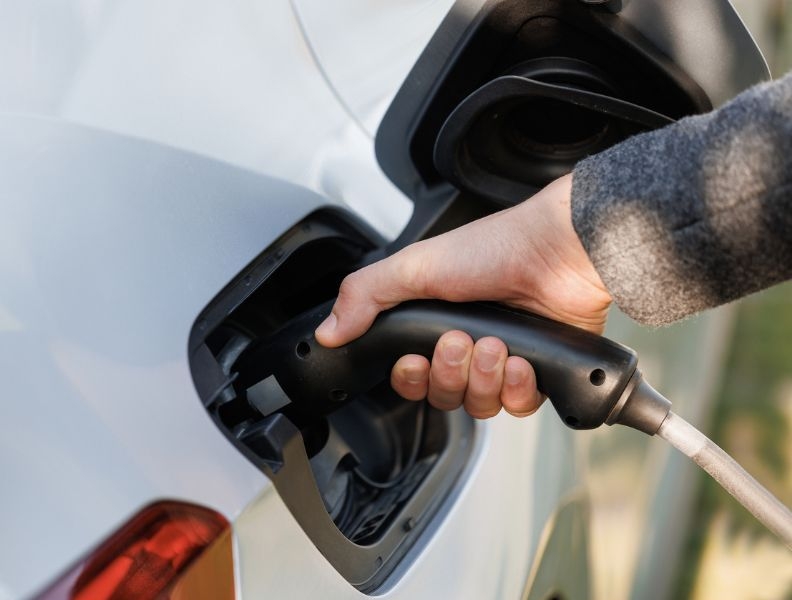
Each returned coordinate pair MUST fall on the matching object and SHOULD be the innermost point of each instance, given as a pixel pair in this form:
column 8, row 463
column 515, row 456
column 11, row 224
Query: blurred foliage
column 757, row 370
column 749, row 421
column 778, row 41
column 759, row 362
column 770, row 22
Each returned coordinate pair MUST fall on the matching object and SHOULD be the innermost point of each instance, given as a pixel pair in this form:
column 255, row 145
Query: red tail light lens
column 169, row 550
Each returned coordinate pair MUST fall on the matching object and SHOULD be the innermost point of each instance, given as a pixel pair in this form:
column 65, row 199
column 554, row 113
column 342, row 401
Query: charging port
column 364, row 481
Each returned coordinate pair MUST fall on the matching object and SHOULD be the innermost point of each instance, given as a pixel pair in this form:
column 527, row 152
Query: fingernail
column 513, row 377
column 487, row 360
column 413, row 375
column 327, row 326
column 454, row 353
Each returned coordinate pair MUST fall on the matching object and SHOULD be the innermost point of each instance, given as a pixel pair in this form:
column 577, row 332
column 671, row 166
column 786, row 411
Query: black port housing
column 474, row 47
column 364, row 481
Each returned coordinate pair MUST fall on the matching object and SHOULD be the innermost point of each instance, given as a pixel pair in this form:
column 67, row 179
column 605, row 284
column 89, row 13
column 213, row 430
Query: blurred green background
column 661, row 528
column 728, row 554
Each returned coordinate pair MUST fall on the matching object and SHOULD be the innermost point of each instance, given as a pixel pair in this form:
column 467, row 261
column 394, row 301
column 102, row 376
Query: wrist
column 558, row 269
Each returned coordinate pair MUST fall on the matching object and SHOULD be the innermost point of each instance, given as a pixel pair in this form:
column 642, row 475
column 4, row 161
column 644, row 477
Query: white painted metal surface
column 109, row 249
column 233, row 81
column 380, row 44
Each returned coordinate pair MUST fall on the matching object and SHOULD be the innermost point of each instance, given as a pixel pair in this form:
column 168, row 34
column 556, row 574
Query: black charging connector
column 590, row 379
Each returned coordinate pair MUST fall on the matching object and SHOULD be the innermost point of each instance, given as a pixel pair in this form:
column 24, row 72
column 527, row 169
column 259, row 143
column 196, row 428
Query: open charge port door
column 362, row 482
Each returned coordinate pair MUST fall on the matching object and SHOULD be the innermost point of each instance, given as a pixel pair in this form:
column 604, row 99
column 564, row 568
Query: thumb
column 366, row 293
column 349, row 319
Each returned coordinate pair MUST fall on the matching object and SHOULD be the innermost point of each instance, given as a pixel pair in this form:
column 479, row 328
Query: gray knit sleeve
column 696, row 214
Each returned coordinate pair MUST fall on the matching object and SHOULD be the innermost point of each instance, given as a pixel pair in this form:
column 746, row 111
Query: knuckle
column 486, row 403
column 416, row 270
column 411, row 394
column 484, row 389
column 411, row 273
column 521, row 403
column 448, row 382
column 482, row 413
column 442, row 402
column 349, row 288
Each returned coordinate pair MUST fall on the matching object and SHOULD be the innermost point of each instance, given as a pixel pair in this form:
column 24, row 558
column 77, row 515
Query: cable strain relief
column 640, row 406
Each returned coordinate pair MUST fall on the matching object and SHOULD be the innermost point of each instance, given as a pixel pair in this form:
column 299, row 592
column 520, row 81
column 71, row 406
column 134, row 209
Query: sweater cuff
column 693, row 215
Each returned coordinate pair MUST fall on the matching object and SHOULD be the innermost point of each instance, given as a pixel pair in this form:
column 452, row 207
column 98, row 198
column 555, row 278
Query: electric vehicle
column 180, row 179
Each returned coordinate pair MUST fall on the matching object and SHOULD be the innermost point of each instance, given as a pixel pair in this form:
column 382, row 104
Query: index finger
column 367, row 292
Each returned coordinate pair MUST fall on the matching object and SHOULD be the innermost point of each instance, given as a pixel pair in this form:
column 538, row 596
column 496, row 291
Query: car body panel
column 706, row 38
column 394, row 37
column 232, row 81
column 110, row 248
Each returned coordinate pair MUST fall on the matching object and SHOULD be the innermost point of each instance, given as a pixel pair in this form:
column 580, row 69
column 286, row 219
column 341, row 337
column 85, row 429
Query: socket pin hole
column 303, row 350
column 337, row 395
column 572, row 421
column 597, row 377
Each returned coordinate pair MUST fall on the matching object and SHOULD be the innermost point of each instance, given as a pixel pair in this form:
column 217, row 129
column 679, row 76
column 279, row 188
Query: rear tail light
column 168, row 550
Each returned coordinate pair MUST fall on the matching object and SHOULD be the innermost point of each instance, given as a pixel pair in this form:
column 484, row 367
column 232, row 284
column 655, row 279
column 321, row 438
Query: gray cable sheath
column 730, row 475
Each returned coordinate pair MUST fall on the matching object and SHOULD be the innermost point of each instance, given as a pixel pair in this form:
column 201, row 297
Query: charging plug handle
column 588, row 378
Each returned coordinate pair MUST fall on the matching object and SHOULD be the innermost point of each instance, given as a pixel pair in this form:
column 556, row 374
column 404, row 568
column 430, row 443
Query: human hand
column 527, row 256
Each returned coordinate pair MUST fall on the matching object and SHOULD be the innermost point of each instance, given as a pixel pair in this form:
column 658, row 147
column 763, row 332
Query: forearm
column 694, row 215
